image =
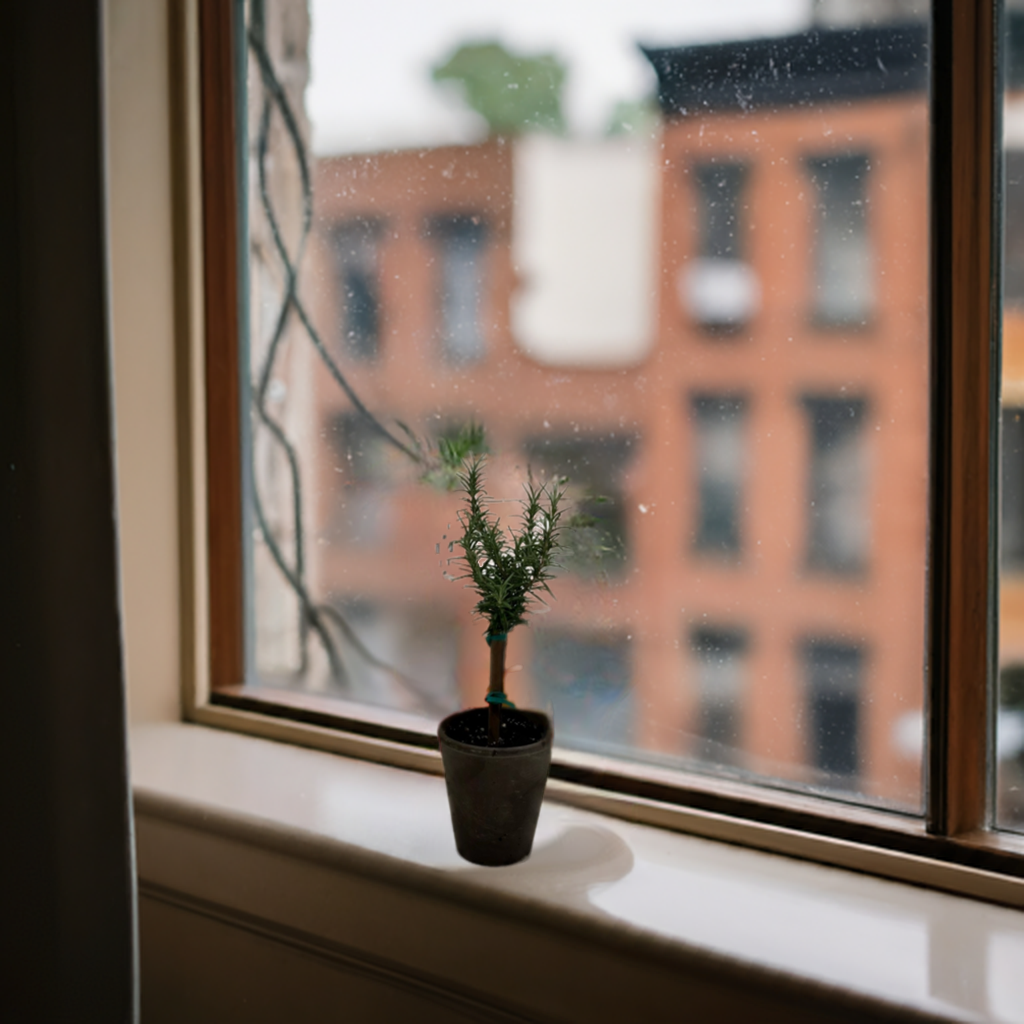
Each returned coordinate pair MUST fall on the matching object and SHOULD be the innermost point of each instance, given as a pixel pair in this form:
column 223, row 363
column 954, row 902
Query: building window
column 720, row 189
column 719, row 453
column 843, row 273
column 585, row 681
column 837, row 513
column 361, row 507
column 1013, row 229
column 719, row 286
column 402, row 657
column 595, row 467
column 354, row 245
column 833, row 677
column 719, row 659
column 1011, row 526
column 363, row 453
column 460, row 243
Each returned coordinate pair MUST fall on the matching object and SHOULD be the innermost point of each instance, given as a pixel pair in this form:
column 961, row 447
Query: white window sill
column 357, row 860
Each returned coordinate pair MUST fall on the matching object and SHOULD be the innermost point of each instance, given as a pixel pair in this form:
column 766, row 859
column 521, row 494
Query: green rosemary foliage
column 454, row 451
column 445, row 465
column 509, row 567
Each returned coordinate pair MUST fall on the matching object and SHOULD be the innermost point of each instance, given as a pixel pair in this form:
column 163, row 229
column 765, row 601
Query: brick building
column 760, row 440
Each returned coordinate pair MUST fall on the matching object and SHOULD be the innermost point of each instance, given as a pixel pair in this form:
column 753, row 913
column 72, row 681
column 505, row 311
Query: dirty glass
column 674, row 253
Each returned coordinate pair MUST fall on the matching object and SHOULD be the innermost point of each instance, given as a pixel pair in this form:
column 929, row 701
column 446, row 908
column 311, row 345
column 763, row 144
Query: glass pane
column 1010, row 689
column 681, row 263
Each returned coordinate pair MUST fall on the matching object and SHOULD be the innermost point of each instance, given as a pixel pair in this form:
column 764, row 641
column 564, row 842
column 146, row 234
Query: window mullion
column 224, row 446
column 964, row 264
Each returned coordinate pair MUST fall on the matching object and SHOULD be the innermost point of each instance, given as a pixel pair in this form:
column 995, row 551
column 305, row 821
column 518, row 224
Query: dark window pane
column 460, row 245
column 362, row 466
column 1010, row 746
column 595, row 467
column 833, row 671
column 360, row 449
column 1013, row 227
column 720, row 188
column 719, row 460
column 421, row 641
column 1012, row 521
column 844, row 292
column 720, row 287
column 354, row 245
column 586, row 683
column 837, row 535
column 719, row 660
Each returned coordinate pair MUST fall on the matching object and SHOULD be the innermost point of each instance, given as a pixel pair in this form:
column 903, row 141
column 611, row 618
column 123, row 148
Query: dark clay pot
column 495, row 792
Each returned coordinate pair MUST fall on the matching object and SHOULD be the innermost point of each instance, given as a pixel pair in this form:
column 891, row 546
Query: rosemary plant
column 508, row 566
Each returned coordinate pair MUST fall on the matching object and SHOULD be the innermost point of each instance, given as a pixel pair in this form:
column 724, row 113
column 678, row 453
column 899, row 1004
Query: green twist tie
column 491, row 637
column 499, row 698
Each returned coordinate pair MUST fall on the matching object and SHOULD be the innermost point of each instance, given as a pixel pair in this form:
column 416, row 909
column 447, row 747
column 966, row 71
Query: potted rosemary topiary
column 496, row 757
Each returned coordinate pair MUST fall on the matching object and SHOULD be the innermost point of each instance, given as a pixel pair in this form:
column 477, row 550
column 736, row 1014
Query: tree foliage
column 512, row 93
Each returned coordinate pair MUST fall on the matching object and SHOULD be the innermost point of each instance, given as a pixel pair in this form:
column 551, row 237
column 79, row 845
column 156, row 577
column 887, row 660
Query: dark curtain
column 68, row 914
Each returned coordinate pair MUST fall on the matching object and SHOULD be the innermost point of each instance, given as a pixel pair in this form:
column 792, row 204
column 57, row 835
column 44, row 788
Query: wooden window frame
column 953, row 846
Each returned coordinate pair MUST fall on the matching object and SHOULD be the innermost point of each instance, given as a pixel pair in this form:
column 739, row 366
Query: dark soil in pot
column 517, row 730
column 495, row 791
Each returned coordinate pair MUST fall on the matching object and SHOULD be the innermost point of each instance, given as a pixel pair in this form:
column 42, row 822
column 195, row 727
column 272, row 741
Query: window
column 354, row 246
column 1013, row 226
column 834, row 697
column 844, row 294
column 837, row 521
column 420, row 677
column 719, row 656
column 1010, row 746
column 825, row 415
column 460, row 242
column 721, row 287
column 585, row 683
column 361, row 506
column 1011, row 523
column 720, row 187
column 719, row 455
column 594, row 467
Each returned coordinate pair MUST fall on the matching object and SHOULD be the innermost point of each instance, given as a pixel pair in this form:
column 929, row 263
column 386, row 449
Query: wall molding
column 348, row 960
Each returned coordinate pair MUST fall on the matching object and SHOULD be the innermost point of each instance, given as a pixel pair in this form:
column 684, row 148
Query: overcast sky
column 371, row 59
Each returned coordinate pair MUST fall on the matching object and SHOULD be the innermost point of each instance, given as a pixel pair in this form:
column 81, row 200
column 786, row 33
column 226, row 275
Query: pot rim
column 470, row 748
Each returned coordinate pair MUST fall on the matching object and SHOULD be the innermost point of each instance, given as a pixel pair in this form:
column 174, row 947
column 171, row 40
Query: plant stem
column 497, row 685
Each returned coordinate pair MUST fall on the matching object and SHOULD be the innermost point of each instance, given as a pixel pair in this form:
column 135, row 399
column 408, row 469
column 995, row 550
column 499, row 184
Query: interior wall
column 236, row 973
column 138, row 101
